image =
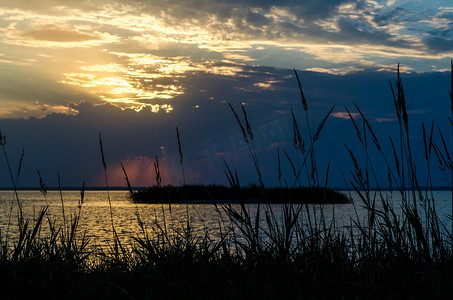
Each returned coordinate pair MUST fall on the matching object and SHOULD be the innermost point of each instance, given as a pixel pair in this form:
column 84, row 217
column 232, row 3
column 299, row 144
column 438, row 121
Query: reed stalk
column 62, row 202
column 451, row 122
column 116, row 240
column 3, row 145
column 181, row 156
column 314, row 168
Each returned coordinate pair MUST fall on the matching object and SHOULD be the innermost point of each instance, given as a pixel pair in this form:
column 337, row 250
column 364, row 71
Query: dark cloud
column 305, row 10
column 447, row 15
column 391, row 16
column 314, row 10
column 438, row 44
column 69, row 145
column 245, row 22
column 249, row 18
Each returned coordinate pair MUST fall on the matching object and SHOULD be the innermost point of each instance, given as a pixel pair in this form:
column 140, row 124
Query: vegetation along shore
column 224, row 194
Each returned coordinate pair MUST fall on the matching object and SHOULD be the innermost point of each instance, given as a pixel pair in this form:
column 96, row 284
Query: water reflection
column 203, row 218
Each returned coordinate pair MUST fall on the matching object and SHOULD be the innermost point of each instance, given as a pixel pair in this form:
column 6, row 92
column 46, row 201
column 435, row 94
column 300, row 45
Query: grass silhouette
column 389, row 254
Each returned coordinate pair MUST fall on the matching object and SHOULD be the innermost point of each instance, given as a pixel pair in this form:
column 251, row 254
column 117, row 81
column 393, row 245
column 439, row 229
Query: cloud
column 345, row 115
column 35, row 110
column 234, row 30
column 438, row 44
column 142, row 79
column 59, row 35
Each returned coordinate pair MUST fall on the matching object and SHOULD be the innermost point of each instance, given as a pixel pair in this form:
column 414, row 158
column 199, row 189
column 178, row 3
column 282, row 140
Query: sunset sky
column 134, row 70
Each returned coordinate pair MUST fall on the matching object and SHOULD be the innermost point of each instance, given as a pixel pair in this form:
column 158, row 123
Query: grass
column 389, row 255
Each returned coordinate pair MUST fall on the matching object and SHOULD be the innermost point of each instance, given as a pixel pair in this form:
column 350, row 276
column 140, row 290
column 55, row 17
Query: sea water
column 97, row 213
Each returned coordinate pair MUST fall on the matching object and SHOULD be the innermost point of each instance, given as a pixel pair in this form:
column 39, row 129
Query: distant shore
column 137, row 188
column 220, row 194
column 119, row 188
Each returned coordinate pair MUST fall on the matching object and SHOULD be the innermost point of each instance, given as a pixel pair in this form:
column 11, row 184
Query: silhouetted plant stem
column 248, row 137
column 104, row 166
column 129, row 187
column 314, row 169
column 180, row 156
column 3, row 143
column 157, row 172
column 183, row 179
column 279, row 169
column 451, row 122
column 62, row 203
column 299, row 145
column 159, row 184
column 313, row 141
column 82, row 198
column 20, row 166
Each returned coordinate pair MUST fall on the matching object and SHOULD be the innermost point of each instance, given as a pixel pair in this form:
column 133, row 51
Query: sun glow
column 137, row 80
column 86, row 45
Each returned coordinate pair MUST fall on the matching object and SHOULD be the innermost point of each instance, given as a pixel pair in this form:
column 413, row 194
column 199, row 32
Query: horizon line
column 120, row 188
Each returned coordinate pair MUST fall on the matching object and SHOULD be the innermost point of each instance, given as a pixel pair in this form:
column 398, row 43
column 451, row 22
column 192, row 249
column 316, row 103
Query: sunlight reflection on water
column 96, row 221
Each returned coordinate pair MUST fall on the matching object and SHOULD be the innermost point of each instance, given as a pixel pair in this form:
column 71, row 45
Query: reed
column 389, row 254
column 181, row 156
column 117, row 246
column 13, row 181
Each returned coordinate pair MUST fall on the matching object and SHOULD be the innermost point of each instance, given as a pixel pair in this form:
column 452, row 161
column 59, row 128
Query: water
column 96, row 219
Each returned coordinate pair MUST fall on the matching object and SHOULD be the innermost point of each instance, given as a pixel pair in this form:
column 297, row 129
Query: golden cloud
column 141, row 78
column 10, row 110
column 59, row 35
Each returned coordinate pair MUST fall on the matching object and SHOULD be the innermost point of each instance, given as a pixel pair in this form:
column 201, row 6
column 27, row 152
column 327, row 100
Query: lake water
column 96, row 218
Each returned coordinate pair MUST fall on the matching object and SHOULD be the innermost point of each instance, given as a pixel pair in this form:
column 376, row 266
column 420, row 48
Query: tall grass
column 389, row 254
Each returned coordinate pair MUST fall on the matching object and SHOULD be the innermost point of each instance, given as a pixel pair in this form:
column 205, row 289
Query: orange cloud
column 59, row 35
column 344, row 115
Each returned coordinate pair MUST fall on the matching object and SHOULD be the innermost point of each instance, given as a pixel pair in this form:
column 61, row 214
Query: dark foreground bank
column 318, row 268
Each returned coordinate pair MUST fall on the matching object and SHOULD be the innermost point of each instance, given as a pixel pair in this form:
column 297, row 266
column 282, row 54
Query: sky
column 133, row 71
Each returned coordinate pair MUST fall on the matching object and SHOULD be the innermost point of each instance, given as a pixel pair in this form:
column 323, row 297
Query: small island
column 219, row 194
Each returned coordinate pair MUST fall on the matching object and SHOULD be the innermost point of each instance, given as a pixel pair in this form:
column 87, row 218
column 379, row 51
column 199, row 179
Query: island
column 218, row 194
